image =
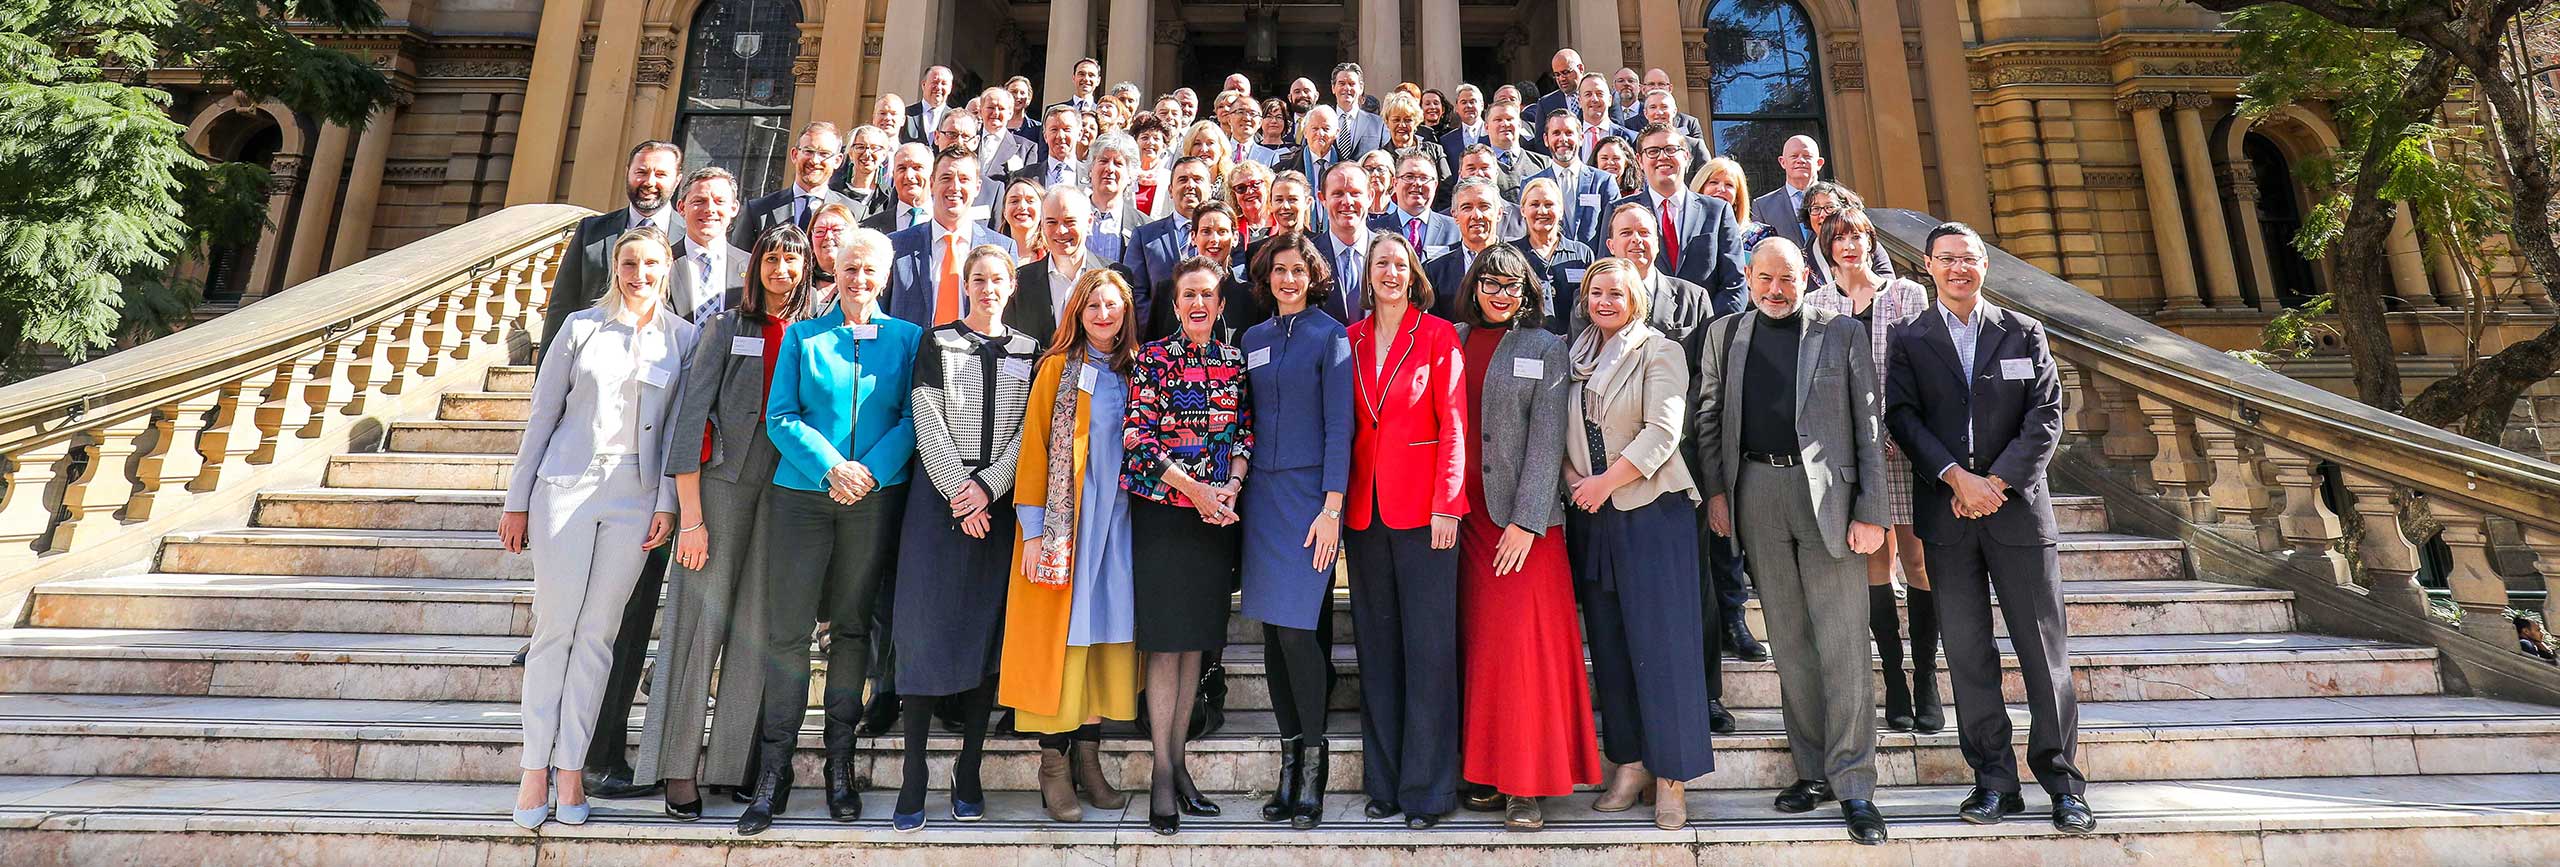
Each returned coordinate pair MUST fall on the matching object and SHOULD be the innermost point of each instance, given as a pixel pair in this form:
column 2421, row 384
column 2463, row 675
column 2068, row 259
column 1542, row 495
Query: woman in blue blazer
column 838, row 414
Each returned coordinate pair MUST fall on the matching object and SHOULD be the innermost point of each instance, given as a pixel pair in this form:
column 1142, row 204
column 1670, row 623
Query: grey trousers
column 585, row 534
column 1816, row 607
column 713, row 618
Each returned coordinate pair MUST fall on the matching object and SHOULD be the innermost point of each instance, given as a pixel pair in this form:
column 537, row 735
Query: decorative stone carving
column 1701, row 72
column 2192, row 100
column 1633, row 51
column 2143, row 101
column 2007, row 75
column 1170, row 31
column 2112, row 179
column 654, row 72
column 1848, row 66
column 284, row 174
column 423, row 172
column 476, row 68
column 2195, row 68
column 587, row 45
column 871, row 44
column 804, row 65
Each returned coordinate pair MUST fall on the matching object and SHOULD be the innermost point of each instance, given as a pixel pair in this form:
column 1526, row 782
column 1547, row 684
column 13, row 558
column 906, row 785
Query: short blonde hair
column 1400, row 103
column 1639, row 301
column 1726, row 167
column 611, row 301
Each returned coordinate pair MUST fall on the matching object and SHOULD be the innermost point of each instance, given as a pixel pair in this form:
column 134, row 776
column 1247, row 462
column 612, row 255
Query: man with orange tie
column 924, row 275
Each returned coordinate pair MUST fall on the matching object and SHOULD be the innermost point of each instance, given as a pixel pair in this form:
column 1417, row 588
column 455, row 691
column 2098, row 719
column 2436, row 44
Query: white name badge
column 1257, row 358
column 1591, row 200
column 657, row 376
column 1085, row 378
column 1573, row 275
column 2017, row 368
column 746, row 346
column 1013, row 162
column 863, row 332
column 1015, row 368
column 978, row 213
column 1529, row 368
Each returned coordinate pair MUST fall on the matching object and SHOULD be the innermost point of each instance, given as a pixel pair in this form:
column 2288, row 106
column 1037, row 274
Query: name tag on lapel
column 1015, row 368
column 1529, row 368
column 861, row 332
column 1257, row 358
column 1573, row 275
column 2017, row 368
column 1591, row 200
column 657, row 376
column 746, row 346
column 1085, row 378
column 978, row 213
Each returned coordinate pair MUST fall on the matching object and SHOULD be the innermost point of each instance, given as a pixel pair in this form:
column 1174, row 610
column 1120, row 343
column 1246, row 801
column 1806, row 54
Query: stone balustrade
column 2274, row 482
column 100, row 460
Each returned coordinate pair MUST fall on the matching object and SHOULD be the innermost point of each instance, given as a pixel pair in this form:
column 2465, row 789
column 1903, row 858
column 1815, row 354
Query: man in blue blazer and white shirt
column 1358, row 130
column 1566, row 66
column 1599, row 120
column 919, row 253
column 813, row 158
column 1972, row 398
column 1344, row 239
column 1587, row 191
column 1157, row 247
column 1416, row 179
column 1704, row 244
column 1469, row 130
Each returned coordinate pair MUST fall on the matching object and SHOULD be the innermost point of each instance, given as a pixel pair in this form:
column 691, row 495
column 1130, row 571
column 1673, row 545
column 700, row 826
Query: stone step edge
column 468, row 539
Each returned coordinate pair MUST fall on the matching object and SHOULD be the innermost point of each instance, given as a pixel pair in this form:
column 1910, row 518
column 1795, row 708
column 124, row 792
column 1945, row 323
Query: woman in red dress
column 1528, row 705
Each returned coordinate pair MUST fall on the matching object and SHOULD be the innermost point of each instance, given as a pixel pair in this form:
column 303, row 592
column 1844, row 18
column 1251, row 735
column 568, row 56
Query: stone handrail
column 2254, row 469
column 98, row 461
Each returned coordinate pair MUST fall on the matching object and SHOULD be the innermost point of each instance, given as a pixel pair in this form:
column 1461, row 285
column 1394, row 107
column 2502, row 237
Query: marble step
column 476, row 554
column 2451, row 819
column 338, row 739
column 465, row 437
column 484, row 406
column 516, row 378
column 474, row 606
column 396, row 508
column 434, row 471
column 476, row 667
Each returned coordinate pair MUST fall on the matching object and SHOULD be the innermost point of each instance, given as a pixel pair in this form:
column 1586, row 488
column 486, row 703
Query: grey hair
column 862, row 240
column 1114, row 142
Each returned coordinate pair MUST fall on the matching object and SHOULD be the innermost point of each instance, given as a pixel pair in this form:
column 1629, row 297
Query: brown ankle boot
column 1086, row 757
column 1626, row 784
column 1057, row 794
column 1670, row 804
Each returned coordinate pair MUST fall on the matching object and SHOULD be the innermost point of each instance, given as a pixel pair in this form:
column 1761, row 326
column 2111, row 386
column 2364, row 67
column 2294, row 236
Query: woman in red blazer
column 1405, row 501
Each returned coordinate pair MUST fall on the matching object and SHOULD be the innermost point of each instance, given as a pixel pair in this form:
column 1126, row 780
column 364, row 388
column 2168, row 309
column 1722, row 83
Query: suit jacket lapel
column 1737, row 353
column 1808, row 353
column 1986, row 342
column 1934, row 333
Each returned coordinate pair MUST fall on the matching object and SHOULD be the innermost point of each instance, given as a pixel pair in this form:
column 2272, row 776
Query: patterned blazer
column 1898, row 301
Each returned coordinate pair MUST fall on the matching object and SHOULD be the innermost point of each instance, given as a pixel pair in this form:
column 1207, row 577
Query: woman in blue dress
column 1298, row 372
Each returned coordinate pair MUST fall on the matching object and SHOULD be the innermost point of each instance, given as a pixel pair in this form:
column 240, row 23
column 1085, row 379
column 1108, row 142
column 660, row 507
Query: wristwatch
column 1335, row 514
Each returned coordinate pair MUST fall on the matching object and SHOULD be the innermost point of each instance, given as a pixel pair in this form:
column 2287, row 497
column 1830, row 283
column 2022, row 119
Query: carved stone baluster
column 2084, row 422
column 2242, row 509
column 2546, row 561
column 405, row 350
column 26, row 511
column 90, row 501
column 440, row 339
column 2127, row 444
column 2174, row 465
column 2309, row 528
column 2477, row 588
column 327, row 386
column 531, row 295
column 468, row 317
column 367, row 367
column 2389, row 559
column 234, row 432
column 175, row 457
column 285, row 409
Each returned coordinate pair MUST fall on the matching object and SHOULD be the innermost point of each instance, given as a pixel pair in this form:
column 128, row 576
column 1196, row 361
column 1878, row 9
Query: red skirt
column 1528, row 701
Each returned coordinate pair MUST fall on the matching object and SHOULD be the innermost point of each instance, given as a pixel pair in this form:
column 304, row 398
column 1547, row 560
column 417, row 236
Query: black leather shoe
column 1378, row 809
column 1803, row 796
column 1987, row 807
column 2071, row 815
column 617, row 783
column 1719, row 720
column 844, row 799
column 1209, row 706
column 772, row 795
column 1421, row 821
column 1866, row 823
column 1306, row 806
column 685, row 812
column 1738, row 641
column 1481, row 798
column 1168, row 824
column 878, row 717
column 1187, row 798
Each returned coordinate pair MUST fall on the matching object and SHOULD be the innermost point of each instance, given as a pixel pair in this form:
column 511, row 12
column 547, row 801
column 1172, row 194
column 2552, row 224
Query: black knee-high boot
column 1927, row 715
column 1885, row 624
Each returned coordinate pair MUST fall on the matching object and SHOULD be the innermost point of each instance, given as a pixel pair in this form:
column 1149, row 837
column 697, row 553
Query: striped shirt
column 969, row 394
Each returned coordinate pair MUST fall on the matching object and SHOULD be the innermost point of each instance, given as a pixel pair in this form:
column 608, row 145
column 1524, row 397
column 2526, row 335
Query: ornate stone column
column 1070, row 40
column 650, row 79
column 2160, row 192
column 1900, row 181
column 1381, row 47
column 2408, row 265
column 606, row 113
column 839, row 89
column 543, row 124
column 2213, row 235
column 284, row 176
column 364, row 186
column 1131, row 54
column 319, row 203
column 1438, row 21
column 2253, row 238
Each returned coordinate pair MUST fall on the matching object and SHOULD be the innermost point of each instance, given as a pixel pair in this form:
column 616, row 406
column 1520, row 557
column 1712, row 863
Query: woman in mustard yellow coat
column 1070, row 661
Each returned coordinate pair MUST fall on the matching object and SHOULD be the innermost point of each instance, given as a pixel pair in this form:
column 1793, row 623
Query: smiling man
column 813, row 158
column 924, row 271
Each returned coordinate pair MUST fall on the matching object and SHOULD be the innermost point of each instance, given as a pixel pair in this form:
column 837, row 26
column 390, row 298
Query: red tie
column 1670, row 236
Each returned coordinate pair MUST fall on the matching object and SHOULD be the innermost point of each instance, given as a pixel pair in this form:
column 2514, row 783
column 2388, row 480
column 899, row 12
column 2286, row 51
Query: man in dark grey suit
column 586, row 270
column 1972, row 398
column 815, row 153
column 1787, row 426
column 706, row 272
column 1567, row 69
column 933, row 100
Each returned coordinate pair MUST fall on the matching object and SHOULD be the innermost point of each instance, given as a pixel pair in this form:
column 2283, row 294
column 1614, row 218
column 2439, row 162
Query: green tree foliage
column 101, row 195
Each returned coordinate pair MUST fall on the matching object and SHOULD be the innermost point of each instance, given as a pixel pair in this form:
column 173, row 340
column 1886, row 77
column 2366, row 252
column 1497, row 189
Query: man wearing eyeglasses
column 1701, row 239
column 814, row 156
column 1409, row 213
column 1971, row 396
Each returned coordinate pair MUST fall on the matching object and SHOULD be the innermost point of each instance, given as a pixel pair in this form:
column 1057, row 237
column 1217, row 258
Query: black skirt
column 1183, row 572
column 949, row 608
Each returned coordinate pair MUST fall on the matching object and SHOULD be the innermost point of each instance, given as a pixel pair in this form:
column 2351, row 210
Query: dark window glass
column 736, row 106
column 1765, row 83
column 2279, row 219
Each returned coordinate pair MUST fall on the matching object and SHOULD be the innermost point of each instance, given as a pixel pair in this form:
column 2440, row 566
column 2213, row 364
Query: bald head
column 1802, row 160
column 1776, row 277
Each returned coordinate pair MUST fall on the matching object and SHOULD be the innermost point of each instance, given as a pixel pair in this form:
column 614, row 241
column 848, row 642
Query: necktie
column 1413, row 232
column 946, row 297
column 800, row 211
column 1347, row 272
column 1670, row 235
column 710, row 305
column 915, row 214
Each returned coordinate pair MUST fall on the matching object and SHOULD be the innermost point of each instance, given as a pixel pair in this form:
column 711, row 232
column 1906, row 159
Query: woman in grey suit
column 1528, row 706
column 714, row 610
column 587, row 500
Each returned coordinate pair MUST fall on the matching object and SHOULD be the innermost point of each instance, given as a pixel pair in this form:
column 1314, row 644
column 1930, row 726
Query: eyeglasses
column 1660, row 152
column 813, row 153
column 1953, row 261
column 1416, row 177
column 1824, row 210
column 1499, row 286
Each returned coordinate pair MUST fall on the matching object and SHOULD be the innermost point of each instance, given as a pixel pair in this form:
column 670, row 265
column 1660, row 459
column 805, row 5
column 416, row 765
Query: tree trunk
column 2481, row 397
column 2363, row 270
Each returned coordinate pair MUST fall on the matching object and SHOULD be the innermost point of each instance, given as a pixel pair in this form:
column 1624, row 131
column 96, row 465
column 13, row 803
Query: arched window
column 2279, row 219
column 736, row 109
column 1766, row 83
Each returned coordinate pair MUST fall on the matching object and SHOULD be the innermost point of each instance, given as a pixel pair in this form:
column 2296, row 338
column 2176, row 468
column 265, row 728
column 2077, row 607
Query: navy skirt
column 948, row 618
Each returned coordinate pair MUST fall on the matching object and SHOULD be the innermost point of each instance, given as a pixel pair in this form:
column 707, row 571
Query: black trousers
column 1963, row 573
column 1404, row 618
column 829, row 560
column 1719, row 570
column 611, row 749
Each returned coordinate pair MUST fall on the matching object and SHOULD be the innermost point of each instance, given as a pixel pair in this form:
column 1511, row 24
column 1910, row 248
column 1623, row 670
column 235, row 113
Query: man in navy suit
column 814, row 156
column 910, row 188
column 1041, row 289
column 1360, row 130
column 933, row 97
column 1972, row 398
column 1157, row 247
column 1087, row 79
column 1345, row 239
column 1469, row 128
column 962, row 130
column 1703, row 240
column 1625, row 96
column 1478, row 209
column 1314, row 156
column 1661, row 108
column 1566, row 66
column 1415, row 181
column 1586, row 191
column 1656, row 79
column 924, row 277
column 1503, row 132
column 1592, row 108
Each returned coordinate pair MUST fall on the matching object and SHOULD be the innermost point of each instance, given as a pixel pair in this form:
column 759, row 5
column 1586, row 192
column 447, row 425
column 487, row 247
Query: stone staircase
column 331, row 684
